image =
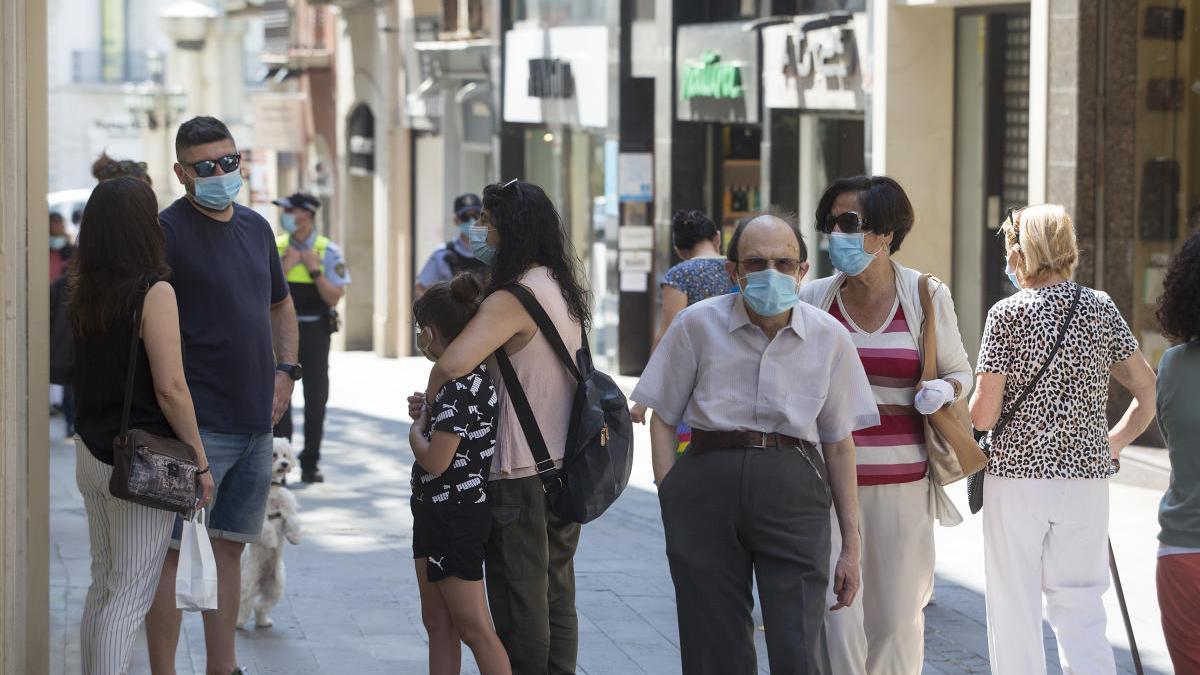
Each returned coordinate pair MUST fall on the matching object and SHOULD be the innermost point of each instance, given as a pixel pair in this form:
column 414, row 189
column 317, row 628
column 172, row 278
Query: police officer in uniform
column 456, row 256
column 316, row 273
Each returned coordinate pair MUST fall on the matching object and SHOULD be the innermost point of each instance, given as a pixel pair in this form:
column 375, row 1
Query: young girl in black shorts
column 453, row 438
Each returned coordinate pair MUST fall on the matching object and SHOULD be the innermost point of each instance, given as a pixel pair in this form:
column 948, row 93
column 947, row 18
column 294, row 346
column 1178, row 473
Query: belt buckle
column 762, row 443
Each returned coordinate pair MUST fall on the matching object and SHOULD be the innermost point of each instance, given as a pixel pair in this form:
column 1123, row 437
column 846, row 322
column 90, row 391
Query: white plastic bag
column 196, row 576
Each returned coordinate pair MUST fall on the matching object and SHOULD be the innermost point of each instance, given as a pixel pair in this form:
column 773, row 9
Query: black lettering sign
column 550, row 78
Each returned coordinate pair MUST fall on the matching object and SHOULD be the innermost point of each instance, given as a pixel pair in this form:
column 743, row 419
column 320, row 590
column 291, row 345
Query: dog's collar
column 278, row 483
column 275, row 516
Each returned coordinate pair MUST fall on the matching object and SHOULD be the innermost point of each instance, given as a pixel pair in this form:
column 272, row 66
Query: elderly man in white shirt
column 761, row 380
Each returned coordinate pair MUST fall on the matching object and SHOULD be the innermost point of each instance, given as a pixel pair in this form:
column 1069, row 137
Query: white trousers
column 883, row 632
column 1046, row 537
column 129, row 543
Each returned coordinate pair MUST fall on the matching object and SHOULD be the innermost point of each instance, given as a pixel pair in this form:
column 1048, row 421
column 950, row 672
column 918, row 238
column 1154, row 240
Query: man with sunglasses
column 762, row 379
column 317, row 277
column 239, row 334
column 456, row 256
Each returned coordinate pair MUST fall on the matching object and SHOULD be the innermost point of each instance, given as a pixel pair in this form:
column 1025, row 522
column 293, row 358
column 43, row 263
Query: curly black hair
column 1178, row 311
column 531, row 234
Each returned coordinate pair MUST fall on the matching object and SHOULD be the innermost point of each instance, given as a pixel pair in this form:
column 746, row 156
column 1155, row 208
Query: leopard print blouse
column 1061, row 430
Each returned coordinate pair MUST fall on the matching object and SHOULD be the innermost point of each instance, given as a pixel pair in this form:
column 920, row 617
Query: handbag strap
column 130, row 372
column 1062, row 332
column 928, row 331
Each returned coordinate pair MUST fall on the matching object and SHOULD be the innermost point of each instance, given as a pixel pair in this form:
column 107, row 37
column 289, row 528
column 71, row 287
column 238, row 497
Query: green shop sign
column 710, row 78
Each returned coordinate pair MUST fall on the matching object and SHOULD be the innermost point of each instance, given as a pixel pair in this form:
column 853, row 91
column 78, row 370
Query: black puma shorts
column 452, row 537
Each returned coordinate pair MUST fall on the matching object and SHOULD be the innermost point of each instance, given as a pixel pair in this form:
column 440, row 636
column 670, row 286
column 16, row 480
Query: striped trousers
column 128, row 543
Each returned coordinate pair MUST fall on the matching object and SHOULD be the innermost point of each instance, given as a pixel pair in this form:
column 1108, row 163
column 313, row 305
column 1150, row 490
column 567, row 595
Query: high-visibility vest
column 299, row 274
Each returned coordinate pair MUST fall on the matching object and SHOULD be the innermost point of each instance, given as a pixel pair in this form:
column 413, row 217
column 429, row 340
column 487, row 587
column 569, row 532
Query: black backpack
column 598, row 457
column 460, row 263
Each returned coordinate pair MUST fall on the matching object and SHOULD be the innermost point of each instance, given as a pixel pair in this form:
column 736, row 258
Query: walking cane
column 1133, row 650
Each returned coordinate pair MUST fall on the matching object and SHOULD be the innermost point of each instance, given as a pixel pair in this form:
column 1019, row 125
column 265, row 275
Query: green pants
column 531, row 579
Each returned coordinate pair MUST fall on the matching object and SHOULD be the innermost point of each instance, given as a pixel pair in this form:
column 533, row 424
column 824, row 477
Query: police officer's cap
column 464, row 204
column 299, row 200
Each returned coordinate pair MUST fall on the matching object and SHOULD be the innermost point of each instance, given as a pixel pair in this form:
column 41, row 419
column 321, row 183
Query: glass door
column 831, row 147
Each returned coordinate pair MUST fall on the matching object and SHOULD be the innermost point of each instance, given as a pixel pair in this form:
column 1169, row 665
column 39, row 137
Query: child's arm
column 437, row 453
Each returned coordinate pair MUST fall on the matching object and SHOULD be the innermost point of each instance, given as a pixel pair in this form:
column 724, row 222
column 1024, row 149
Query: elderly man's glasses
column 207, row 167
column 787, row 266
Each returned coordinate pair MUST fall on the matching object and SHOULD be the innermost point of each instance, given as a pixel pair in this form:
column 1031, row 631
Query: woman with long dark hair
column 1179, row 513
column 118, row 275
column 530, row 569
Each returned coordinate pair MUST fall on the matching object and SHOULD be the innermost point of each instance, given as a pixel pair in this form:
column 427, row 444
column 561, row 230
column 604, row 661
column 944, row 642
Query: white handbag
column 196, row 576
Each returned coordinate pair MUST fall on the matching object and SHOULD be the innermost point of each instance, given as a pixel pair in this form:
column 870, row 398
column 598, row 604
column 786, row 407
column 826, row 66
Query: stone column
column 24, row 328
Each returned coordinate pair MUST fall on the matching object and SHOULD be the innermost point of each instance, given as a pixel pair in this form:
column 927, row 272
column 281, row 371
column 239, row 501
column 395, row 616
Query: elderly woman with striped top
column 878, row 302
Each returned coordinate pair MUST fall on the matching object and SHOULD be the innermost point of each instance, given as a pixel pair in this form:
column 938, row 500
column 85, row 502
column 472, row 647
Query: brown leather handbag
column 151, row 470
column 953, row 453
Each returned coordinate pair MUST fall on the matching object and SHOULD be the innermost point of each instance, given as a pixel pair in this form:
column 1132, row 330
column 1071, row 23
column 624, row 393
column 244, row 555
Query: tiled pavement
column 351, row 604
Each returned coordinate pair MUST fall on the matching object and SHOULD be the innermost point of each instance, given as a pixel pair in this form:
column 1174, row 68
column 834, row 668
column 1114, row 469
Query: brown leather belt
column 706, row 441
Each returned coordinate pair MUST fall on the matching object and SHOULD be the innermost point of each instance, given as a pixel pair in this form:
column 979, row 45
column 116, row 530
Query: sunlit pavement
column 351, row 604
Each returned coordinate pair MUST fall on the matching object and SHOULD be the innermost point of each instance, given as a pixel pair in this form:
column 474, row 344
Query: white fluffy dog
column 262, row 564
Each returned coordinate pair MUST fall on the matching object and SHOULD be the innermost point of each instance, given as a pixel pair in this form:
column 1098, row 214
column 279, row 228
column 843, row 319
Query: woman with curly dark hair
column 530, row 577
column 1179, row 512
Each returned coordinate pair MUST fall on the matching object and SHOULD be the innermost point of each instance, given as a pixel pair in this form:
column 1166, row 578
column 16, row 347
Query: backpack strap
column 551, row 481
column 547, row 327
column 533, row 434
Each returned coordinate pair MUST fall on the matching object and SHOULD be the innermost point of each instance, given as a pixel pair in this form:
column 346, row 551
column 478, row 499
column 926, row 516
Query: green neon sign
column 711, row 79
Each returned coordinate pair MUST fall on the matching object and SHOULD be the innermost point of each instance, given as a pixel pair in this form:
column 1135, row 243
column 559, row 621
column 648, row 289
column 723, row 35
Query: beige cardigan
column 952, row 356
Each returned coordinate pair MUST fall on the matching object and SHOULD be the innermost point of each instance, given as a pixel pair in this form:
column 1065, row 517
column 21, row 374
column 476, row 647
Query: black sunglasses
column 848, row 222
column 207, row 167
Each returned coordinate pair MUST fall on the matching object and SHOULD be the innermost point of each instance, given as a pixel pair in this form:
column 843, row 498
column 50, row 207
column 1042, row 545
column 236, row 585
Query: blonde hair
column 1045, row 236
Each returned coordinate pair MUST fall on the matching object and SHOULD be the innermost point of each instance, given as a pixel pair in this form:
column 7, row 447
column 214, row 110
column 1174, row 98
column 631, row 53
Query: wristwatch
column 292, row 369
column 313, row 274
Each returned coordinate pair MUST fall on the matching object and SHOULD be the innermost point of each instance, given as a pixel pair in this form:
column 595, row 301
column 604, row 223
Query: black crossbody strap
column 1062, row 332
column 130, row 372
column 547, row 327
column 533, row 434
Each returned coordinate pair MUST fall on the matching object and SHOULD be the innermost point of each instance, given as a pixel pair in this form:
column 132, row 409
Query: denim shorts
column 241, row 471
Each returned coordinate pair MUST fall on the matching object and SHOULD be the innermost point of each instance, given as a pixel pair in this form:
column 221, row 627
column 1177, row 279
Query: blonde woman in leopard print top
column 1046, row 499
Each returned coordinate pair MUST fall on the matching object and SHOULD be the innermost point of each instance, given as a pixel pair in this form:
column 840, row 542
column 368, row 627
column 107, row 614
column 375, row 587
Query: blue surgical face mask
column 57, row 243
column 848, row 253
column 465, row 227
column 770, row 292
column 1012, row 276
column 217, row 192
column 288, row 222
column 485, row 252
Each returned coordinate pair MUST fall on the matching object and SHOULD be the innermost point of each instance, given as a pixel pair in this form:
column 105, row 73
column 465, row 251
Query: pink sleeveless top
column 547, row 384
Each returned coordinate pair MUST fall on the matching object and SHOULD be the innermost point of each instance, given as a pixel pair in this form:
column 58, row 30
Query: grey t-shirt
column 1178, row 407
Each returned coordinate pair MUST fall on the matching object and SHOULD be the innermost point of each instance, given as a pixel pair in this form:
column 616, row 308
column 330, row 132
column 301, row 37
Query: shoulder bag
column 147, row 469
column 975, row 482
column 953, row 453
column 598, row 457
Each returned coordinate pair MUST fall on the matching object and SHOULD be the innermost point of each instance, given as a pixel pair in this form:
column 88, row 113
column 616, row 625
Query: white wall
column 912, row 132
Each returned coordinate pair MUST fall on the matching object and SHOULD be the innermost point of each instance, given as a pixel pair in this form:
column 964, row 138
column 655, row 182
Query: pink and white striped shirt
column 894, row 451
